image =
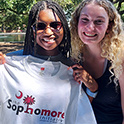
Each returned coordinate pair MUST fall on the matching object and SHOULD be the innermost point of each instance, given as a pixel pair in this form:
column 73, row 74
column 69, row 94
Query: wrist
column 92, row 94
column 92, row 85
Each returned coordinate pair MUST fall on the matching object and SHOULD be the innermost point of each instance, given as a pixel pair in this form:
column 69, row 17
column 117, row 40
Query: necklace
column 49, row 58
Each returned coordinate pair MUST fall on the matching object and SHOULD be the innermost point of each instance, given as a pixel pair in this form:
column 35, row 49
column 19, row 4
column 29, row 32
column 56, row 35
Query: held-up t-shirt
column 36, row 91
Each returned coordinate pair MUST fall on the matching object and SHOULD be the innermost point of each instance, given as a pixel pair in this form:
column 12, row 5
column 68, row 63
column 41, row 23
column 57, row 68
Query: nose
column 48, row 30
column 91, row 25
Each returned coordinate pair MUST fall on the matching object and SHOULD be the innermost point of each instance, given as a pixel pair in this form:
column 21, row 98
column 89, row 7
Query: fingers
column 77, row 78
column 81, row 75
column 4, row 55
column 1, row 54
column 77, row 70
column 2, row 58
column 76, row 66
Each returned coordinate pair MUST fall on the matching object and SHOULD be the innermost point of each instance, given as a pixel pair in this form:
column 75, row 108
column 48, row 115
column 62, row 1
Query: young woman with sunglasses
column 38, row 88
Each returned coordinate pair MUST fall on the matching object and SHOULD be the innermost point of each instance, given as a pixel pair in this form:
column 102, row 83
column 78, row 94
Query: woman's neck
column 40, row 51
column 93, row 61
column 92, row 52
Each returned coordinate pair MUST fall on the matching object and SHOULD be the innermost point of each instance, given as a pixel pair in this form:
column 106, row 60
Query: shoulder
column 19, row 52
column 67, row 61
column 14, row 61
column 15, row 58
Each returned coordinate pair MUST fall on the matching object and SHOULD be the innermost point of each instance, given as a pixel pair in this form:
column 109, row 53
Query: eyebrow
column 96, row 17
column 83, row 14
column 101, row 17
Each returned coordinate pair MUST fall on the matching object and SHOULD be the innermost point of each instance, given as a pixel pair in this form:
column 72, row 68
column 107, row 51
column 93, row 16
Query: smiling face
column 92, row 24
column 49, row 32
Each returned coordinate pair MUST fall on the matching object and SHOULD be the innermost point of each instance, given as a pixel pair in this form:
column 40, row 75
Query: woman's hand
column 81, row 75
column 2, row 58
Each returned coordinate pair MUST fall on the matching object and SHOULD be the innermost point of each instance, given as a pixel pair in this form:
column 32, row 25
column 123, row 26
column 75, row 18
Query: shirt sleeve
column 15, row 53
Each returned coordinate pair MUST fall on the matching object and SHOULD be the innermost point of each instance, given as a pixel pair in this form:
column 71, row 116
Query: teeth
column 90, row 34
column 48, row 40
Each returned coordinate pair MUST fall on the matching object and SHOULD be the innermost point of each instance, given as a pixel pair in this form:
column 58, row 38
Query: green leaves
column 14, row 13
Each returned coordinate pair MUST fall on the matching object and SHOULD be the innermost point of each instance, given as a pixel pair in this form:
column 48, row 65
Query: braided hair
column 30, row 40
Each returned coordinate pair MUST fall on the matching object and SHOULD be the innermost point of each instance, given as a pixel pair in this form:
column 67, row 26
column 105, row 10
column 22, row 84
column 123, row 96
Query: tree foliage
column 14, row 13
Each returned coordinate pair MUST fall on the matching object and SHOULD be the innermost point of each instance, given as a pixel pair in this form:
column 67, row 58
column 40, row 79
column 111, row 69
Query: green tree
column 14, row 13
column 119, row 4
column 70, row 5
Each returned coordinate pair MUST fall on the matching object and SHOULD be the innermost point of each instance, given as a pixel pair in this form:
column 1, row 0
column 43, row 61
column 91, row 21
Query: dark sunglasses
column 54, row 26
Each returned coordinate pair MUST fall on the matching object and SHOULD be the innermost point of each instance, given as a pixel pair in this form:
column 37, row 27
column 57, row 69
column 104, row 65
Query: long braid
column 29, row 39
column 40, row 7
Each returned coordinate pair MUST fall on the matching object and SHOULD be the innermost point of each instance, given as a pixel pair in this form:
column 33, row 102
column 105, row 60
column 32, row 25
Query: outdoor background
column 14, row 18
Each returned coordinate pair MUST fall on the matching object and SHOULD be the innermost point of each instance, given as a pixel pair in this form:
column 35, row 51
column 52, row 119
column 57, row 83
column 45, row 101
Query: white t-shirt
column 34, row 91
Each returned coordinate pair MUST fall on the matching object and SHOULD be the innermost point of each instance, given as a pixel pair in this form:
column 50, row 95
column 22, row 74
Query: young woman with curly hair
column 98, row 45
column 37, row 88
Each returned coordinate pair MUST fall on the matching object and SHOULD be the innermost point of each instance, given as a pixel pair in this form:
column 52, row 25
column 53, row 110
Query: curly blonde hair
column 112, row 44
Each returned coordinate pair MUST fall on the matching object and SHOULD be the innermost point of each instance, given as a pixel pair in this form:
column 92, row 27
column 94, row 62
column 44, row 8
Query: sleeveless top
column 107, row 104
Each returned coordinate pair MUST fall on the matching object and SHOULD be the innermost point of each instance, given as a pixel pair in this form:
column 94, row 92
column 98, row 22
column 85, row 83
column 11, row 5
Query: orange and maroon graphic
column 45, row 115
column 29, row 101
column 19, row 96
